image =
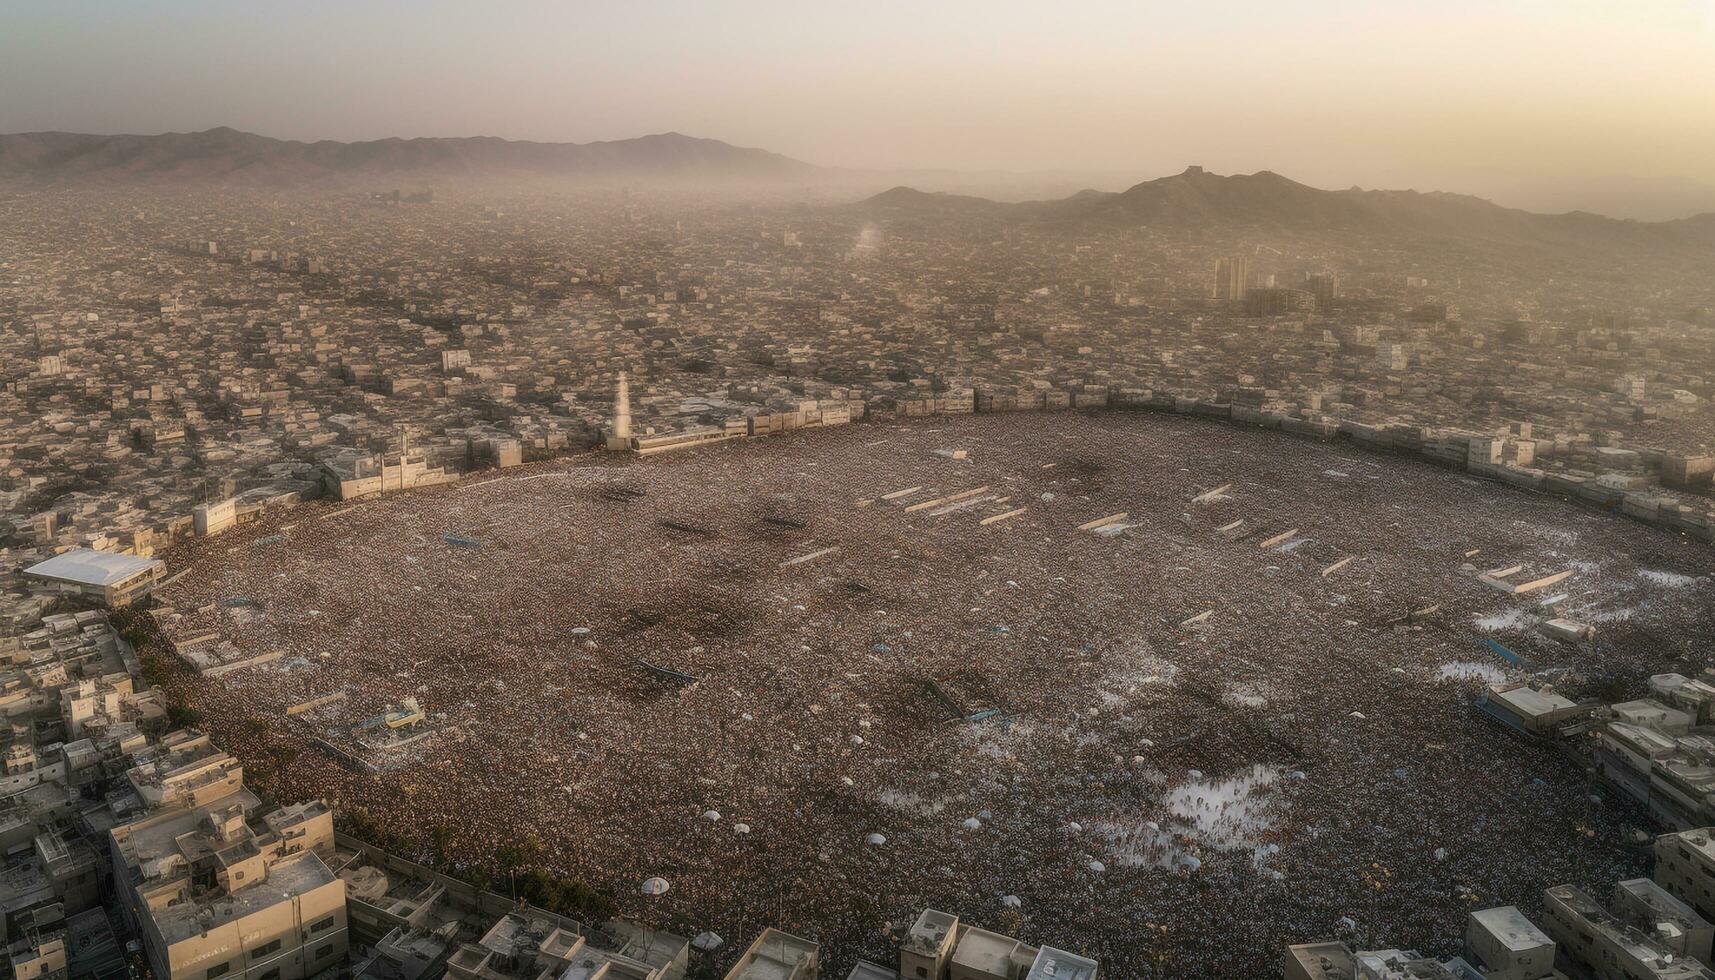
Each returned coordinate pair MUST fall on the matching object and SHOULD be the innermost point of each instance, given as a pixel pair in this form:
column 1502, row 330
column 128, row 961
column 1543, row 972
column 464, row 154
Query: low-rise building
column 1685, row 866
column 940, row 947
column 212, row 896
column 1505, row 945
column 776, row 955
column 102, row 576
column 1595, row 941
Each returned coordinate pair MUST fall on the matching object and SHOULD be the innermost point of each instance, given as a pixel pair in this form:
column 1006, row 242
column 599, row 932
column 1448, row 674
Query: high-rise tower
column 1232, row 277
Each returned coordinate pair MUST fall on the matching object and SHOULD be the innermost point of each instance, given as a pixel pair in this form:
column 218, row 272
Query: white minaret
column 620, row 437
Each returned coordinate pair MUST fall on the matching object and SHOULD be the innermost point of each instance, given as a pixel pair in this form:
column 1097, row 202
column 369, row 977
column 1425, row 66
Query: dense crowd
column 1163, row 797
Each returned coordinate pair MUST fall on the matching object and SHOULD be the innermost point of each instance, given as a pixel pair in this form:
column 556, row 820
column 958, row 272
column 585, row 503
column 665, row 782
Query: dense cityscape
column 664, row 559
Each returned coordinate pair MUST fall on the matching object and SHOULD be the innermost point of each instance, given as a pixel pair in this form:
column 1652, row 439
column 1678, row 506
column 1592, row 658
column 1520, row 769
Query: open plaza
column 1165, row 691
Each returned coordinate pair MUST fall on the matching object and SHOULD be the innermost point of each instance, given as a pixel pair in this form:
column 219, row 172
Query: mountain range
column 1266, row 202
column 1194, row 201
column 228, row 155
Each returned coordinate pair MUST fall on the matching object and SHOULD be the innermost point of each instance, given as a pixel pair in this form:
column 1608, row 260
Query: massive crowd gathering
column 1163, row 792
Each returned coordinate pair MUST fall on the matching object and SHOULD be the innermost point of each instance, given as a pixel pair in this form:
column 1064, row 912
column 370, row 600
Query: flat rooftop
column 930, row 930
column 293, row 876
column 1511, row 927
column 981, row 949
column 1532, row 703
column 775, row 956
column 1698, row 840
column 94, row 568
column 1324, row 960
column 1058, row 964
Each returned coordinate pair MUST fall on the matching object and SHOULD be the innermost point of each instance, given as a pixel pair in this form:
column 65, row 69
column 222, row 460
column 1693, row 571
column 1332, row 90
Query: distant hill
column 1265, row 202
column 908, row 200
column 226, row 154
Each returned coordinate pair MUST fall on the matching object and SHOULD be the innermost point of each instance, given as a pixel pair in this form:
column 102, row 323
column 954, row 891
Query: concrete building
column 775, row 955
column 529, row 943
column 1319, row 961
column 654, row 443
column 1059, row 964
column 184, row 770
column 213, row 518
column 103, row 576
column 1531, row 711
column 1598, row 943
column 928, row 947
column 1232, row 277
column 1685, row 866
column 1500, row 944
column 40, row 952
column 212, row 896
column 984, row 955
column 1649, row 907
column 1325, row 286
column 940, row 947
column 1337, row 961
column 352, row 476
column 414, row 923
column 1505, row 945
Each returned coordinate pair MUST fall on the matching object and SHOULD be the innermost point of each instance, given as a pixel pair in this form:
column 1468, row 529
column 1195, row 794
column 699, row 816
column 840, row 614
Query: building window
column 326, row 949
column 268, row 948
column 325, row 924
column 219, row 971
column 273, row 974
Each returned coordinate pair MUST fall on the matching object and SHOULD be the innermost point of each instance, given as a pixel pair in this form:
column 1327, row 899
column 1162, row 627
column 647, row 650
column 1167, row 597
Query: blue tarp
column 1502, row 652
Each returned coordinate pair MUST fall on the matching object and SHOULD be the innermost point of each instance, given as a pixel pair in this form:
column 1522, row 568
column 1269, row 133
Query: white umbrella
column 655, row 886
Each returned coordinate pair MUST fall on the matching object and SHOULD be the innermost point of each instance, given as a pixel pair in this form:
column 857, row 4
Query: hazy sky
column 1379, row 93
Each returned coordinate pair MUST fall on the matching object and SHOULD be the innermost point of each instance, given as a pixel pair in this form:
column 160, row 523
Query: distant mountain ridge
column 1268, row 202
column 1193, row 201
column 227, row 154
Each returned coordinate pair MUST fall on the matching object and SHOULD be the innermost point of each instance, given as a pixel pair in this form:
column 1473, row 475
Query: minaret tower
column 620, row 436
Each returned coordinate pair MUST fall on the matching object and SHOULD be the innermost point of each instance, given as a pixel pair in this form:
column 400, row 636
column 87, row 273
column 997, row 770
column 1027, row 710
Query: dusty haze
column 1592, row 104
